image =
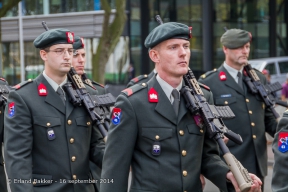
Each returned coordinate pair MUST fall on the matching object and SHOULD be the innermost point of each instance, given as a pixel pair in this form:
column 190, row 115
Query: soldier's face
column 58, row 59
column 78, row 61
column 239, row 56
column 172, row 57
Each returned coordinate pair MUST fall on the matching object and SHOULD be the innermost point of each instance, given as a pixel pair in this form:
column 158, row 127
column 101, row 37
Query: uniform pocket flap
column 158, row 134
column 40, row 180
column 224, row 100
column 83, row 121
column 47, row 121
column 194, row 130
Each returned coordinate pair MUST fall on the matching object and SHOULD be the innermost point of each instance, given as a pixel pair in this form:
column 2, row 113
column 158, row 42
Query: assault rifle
column 4, row 92
column 98, row 106
column 266, row 92
column 211, row 116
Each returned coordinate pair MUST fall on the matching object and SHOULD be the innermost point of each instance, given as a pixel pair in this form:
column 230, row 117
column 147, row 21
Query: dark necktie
column 176, row 101
column 61, row 94
column 240, row 81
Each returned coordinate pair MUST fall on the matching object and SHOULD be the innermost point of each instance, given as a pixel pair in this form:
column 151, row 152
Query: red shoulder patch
column 135, row 80
column 1, row 78
column 16, row 86
column 128, row 91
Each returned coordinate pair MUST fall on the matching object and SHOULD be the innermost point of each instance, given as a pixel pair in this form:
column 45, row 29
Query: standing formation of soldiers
column 52, row 145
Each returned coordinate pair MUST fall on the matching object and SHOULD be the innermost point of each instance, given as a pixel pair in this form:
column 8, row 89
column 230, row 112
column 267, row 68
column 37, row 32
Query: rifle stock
column 212, row 117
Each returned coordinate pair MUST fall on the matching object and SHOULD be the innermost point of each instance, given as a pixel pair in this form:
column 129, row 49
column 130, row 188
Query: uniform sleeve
column 97, row 146
column 280, row 176
column 18, row 140
column 119, row 147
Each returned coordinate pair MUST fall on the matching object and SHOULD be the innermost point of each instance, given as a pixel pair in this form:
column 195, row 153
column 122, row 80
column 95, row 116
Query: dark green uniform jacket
column 186, row 150
column 251, row 122
column 141, row 79
column 3, row 185
column 280, row 149
column 46, row 140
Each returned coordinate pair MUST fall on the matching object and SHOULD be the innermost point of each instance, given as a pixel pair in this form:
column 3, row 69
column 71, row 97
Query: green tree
column 110, row 37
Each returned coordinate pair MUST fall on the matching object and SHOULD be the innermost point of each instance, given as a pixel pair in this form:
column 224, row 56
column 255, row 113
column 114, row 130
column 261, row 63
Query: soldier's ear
column 154, row 55
column 43, row 55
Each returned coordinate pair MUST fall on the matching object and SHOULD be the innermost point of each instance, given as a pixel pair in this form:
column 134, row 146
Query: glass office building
column 266, row 20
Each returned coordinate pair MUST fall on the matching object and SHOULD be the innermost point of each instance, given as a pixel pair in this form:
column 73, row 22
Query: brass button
column 181, row 132
column 157, row 137
column 0, row 112
column 145, row 75
column 247, row 100
column 201, row 130
column 69, row 122
column 29, row 80
column 250, row 112
column 73, row 158
column 88, row 123
column 254, row 136
column 214, row 69
column 185, row 173
column 184, row 153
column 143, row 84
column 34, row 182
column 3, row 162
column 226, row 102
column 48, row 124
column 72, row 140
column 74, row 177
column 252, row 124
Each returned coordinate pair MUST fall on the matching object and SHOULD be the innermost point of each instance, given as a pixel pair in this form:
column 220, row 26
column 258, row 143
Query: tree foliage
column 111, row 33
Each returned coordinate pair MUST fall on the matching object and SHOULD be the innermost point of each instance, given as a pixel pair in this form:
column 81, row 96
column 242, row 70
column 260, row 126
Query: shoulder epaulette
column 98, row 84
column 208, row 73
column 139, row 78
column 22, row 84
column 133, row 89
column 204, row 86
column 2, row 79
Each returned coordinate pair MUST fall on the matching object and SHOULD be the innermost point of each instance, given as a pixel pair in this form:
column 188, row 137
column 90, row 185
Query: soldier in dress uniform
column 280, row 149
column 78, row 62
column 153, row 131
column 3, row 184
column 252, row 119
column 48, row 141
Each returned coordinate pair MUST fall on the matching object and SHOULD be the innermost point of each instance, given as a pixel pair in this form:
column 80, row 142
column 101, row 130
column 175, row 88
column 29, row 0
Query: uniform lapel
column 230, row 82
column 69, row 107
column 163, row 106
column 52, row 97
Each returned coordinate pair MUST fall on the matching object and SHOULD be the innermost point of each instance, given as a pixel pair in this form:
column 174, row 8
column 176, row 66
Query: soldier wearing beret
column 48, row 141
column 78, row 62
column 153, row 131
column 3, row 185
column 252, row 119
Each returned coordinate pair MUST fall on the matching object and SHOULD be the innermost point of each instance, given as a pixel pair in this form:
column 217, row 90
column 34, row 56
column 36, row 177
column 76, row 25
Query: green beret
column 78, row 43
column 170, row 30
column 53, row 37
column 235, row 38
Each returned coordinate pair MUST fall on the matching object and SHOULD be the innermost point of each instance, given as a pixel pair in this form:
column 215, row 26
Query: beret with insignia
column 53, row 37
column 235, row 38
column 78, row 43
column 170, row 30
